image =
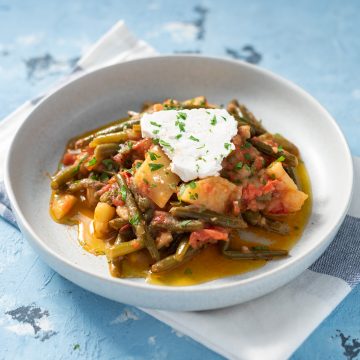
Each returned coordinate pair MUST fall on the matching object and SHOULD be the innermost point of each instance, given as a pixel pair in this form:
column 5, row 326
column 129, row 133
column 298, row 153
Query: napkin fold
column 270, row 327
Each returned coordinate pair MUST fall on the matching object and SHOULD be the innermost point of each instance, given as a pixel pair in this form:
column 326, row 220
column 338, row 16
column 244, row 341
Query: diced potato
column 276, row 170
column 154, row 178
column 102, row 215
column 213, row 192
column 292, row 198
column 61, row 204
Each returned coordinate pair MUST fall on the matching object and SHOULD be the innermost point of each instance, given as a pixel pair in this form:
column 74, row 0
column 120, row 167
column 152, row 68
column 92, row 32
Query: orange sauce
column 209, row 264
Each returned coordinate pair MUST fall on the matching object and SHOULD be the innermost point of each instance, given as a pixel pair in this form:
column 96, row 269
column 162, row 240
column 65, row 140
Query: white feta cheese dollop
column 196, row 141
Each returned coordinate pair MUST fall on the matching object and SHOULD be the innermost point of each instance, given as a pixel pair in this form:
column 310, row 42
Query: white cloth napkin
column 271, row 327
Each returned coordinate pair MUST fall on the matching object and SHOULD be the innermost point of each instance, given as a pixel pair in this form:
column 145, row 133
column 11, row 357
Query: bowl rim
column 207, row 286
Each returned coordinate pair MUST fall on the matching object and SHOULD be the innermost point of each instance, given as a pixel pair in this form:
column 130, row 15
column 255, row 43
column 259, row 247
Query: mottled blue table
column 315, row 44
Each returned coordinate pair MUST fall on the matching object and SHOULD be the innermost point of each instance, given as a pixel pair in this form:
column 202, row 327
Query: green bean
column 286, row 144
column 195, row 212
column 117, row 223
column 118, row 137
column 66, row 174
column 136, row 219
column 243, row 114
column 83, row 184
column 120, row 126
column 289, row 159
column 168, row 222
column 124, row 248
column 104, row 151
column 170, row 262
column 258, row 220
column 252, row 255
column 294, row 176
column 182, row 249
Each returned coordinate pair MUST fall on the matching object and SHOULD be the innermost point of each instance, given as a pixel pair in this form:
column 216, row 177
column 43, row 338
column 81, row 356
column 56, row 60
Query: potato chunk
column 292, row 198
column 61, row 204
column 154, row 178
column 214, row 193
column 102, row 215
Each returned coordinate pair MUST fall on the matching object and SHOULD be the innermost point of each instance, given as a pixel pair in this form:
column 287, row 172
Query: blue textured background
column 315, row 44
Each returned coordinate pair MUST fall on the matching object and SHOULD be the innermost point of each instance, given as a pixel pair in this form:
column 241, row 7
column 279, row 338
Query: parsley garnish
column 154, row 167
column 181, row 115
column 201, row 147
column 247, row 156
column 167, row 145
column 193, row 138
column 153, row 156
column 192, row 184
column 213, row 121
column 138, row 164
column 155, row 132
column 247, row 145
column 76, row 347
column 178, row 136
column 155, row 123
column 281, row 158
column 227, row 146
column 135, row 220
column 224, row 118
column 239, row 165
column 194, row 196
column 181, row 125
column 123, row 192
column 247, row 167
column 280, row 148
column 92, row 162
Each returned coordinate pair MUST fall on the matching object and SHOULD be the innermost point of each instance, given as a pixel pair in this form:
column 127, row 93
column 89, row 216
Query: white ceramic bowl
column 104, row 95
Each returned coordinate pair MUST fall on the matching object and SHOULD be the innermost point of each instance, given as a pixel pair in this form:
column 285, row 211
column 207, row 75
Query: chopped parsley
column 239, row 165
column 138, row 164
column 155, row 123
column 92, row 162
column 181, row 115
column 181, row 125
column 224, row 118
column 281, row 158
column 247, row 145
column 166, row 145
column 201, row 147
column 123, row 192
column 178, row 136
column 154, row 167
column 153, row 185
column 193, row 138
column 227, row 146
column 213, row 121
column 194, row 196
column 153, row 156
column 155, row 132
column 280, row 148
column 248, row 156
column 247, row 167
column 192, row 184
column 135, row 220
column 76, row 347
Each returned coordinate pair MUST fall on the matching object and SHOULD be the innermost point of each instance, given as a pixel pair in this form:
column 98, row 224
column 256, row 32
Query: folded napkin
column 271, row 327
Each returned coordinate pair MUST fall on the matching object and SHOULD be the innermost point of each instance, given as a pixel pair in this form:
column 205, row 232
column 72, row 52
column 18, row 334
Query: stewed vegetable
column 183, row 192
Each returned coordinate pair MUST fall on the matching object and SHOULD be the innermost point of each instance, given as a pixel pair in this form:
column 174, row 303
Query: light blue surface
column 314, row 44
